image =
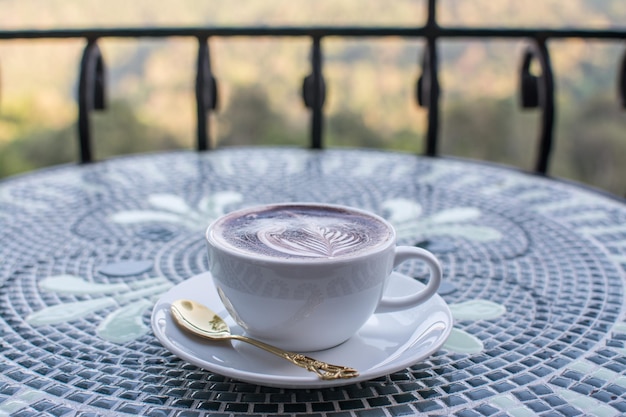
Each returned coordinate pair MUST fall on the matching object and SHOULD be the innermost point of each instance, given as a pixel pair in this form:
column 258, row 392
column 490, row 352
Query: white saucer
column 385, row 344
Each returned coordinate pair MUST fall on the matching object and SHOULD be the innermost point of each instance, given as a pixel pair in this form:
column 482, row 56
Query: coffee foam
column 301, row 232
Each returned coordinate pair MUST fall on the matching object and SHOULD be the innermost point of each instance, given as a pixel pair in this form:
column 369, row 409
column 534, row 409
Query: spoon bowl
column 198, row 319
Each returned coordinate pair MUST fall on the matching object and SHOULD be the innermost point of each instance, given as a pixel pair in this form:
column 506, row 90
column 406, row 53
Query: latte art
column 312, row 240
column 301, row 231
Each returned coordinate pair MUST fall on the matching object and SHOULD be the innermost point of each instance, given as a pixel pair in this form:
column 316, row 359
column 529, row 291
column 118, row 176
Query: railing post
column 314, row 94
column 427, row 90
column 91, row 95
column 621, row 83
column 206, row 94
column 432, row 136
column 538, row 91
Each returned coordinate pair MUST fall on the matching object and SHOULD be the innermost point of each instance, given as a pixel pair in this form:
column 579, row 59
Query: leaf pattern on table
column 477, row 310
column 125, row 324
column 170, row 208
column 19, row 401
column 460, row 341
column 66, row 312
column 512, row 405
column 406, row 217
column 129, row 301
column 70, row 284
column 588, row 405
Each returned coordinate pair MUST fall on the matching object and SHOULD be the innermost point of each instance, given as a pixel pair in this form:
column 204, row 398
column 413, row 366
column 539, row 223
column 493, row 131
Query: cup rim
column 263, row 259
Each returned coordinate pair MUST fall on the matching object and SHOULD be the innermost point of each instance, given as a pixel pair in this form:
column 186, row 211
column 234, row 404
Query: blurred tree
column 119, row 131
column 593, row 145
column 488, row 129
column 116, row 131
column 589, row 145
column 348, row 129
column 250, row 120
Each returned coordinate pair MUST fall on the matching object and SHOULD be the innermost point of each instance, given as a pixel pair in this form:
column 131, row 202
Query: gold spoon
column 200, row 320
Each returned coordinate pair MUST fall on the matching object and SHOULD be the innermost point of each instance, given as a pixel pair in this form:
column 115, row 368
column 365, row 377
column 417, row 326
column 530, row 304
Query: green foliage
column 489, row 129
column 591, row 147
column 117, row 131
column 37, row 149
column 348, row 129
column 369, row 80
column 250, row 120
column 590, row 144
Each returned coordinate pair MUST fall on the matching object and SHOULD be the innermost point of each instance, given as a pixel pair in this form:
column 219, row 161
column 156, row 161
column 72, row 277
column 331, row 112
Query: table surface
column 533, row 272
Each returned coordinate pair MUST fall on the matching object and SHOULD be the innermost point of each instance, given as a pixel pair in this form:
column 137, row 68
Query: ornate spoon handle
column 324, row 370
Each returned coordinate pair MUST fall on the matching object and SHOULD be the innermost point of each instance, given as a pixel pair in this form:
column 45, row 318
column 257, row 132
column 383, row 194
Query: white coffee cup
column 305, row 276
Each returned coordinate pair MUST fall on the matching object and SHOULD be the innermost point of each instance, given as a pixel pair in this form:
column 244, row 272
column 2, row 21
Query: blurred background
column 370, row 83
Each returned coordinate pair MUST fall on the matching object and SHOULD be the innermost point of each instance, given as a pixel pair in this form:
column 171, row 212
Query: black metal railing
column 535, row 90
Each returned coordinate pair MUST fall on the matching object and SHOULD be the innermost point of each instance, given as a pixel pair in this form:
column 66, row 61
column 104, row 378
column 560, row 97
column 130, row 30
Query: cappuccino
column 285, row 271
column 301, row 231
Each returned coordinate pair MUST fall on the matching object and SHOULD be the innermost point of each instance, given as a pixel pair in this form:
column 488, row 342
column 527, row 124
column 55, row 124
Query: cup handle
column 404, row 253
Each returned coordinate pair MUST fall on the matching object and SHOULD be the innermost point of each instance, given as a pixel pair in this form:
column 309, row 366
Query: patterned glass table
column 534, row 276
